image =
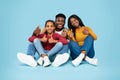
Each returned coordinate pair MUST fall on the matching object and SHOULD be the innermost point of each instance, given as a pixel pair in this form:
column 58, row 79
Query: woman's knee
column 89, row 38
column 71, row 43
column 91, row 56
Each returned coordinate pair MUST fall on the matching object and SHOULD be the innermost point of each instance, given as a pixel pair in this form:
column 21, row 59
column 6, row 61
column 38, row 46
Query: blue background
column 18, row 19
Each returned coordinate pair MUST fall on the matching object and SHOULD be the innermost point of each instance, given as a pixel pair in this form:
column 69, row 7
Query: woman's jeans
column 88, row 46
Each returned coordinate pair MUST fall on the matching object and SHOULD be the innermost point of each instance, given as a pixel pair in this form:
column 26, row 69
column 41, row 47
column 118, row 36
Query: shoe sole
column 26, row 59
column 56, row 64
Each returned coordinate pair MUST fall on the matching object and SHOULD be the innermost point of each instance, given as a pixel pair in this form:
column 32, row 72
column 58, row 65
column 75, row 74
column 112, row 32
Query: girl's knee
column 59, row 44
column 36, row 40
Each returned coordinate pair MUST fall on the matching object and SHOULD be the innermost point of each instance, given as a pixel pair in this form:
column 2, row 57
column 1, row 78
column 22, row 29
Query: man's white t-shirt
column 59, row 32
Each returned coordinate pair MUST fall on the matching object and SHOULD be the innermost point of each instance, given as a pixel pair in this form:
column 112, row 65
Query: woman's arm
column 70, row 35
column 91, row 33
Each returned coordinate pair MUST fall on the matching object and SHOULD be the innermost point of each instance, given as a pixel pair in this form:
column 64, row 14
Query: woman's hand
column 70, row 34
column 86, row 32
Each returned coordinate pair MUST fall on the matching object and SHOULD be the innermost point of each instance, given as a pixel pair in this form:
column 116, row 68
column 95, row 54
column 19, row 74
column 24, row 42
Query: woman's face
column 74, row 22
column 50, row 27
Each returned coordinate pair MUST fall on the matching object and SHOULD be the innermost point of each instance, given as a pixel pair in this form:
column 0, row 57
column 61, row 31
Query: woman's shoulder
column 87, row 27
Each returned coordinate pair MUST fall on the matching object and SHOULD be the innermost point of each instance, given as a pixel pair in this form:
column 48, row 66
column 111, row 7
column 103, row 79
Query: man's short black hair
column 61, row 15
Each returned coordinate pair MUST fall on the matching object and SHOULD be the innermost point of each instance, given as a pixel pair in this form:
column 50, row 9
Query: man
column 62, row 56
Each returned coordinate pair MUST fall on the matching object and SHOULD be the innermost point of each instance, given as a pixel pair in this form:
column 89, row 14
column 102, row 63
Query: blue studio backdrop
column 18, row 19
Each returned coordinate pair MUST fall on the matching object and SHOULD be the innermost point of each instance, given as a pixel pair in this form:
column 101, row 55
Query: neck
column 49, row 34
column 79, row 26
column 57, row 29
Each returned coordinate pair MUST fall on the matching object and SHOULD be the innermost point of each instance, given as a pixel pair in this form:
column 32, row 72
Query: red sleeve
column 31, row 39
column 62, row 39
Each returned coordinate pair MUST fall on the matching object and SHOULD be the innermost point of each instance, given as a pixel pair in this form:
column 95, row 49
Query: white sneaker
column 91, row 61
column 40, row 61
column 60, row 59
column 78, row 60
column 27, row 59
column 46, row 61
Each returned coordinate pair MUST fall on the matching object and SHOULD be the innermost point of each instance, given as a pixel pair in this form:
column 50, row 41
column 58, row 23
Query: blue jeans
column 64, row 49
column 88, row 46
column 37, row 46
column 31, row 50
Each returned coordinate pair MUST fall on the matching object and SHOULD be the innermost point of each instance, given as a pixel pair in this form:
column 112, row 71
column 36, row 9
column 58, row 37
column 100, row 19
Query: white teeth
column 59, row 25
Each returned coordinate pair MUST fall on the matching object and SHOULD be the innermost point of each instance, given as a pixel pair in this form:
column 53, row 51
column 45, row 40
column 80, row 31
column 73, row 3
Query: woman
column 81, row 41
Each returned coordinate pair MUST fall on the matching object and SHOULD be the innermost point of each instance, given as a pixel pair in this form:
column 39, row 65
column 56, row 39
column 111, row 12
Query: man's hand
column 37, row 31
column 64, row 33
column 43, row 31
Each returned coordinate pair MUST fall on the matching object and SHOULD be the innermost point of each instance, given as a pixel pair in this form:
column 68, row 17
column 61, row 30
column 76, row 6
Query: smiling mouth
column 60, row 25
column 76, row 24
column 49, row 29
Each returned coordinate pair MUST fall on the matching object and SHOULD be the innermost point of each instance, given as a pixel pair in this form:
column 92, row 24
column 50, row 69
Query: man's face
column 60, row 21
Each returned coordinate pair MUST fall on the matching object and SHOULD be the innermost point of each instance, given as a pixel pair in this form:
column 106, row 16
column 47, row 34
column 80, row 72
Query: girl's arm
column 31, row 39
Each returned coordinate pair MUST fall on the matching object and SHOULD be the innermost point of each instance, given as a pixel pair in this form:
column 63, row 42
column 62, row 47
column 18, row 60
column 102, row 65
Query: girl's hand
column 51, row 40
column 86, row 32
column 44, row 39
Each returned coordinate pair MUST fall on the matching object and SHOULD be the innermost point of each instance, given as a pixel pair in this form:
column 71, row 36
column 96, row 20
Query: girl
column 48, row 43
column 81, row 41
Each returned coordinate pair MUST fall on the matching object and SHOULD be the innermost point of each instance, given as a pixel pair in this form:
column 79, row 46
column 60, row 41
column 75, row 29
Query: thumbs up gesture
column 51, row 40
column 86, row 32
column 37, row 31
column 70, row 34
column 44, row 39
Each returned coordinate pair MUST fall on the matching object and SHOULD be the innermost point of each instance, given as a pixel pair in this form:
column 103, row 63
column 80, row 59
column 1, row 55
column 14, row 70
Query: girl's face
column 74, row 22
column 50, row 27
